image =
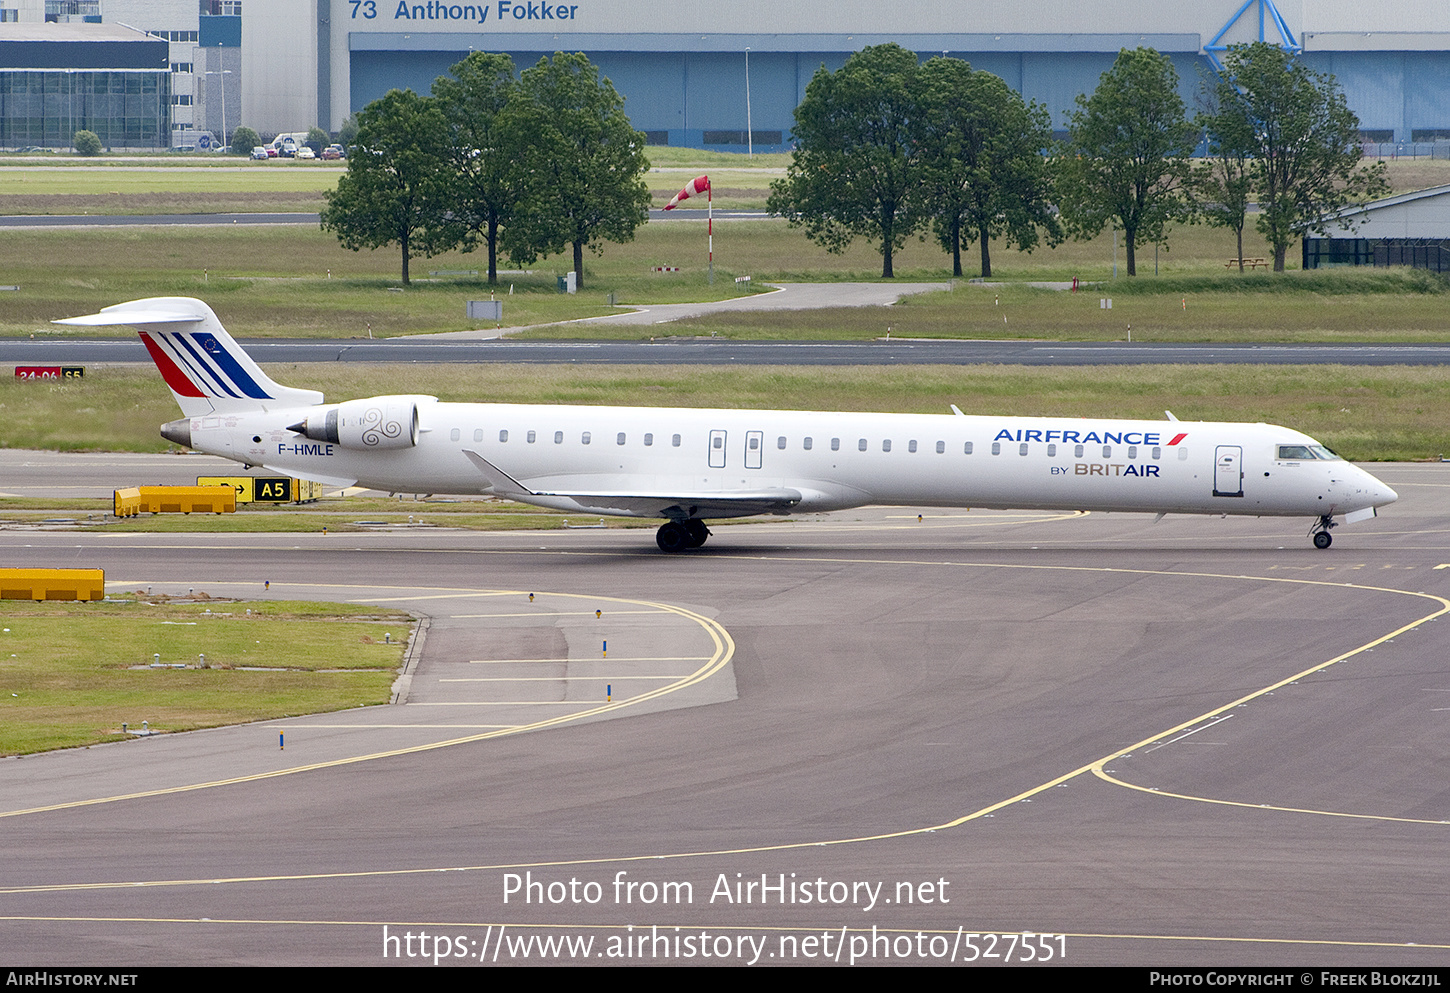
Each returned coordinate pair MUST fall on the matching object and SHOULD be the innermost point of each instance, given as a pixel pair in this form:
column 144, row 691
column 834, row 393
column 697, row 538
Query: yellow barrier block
column 186, row 499
column 128, row 502
column 52, row 584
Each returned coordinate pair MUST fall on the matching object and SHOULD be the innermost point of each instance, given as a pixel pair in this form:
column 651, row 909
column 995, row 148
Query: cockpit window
column 1306, row 453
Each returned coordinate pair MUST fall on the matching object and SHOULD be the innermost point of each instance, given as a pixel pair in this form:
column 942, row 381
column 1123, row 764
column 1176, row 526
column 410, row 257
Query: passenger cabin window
column 502, row 436
column 941, row 448
column 886, row 445
column 835, row 444
column 453, row 435
column 1182, row 454
column 911, row 445
column 753, row 444
column 806, row 444
column 532, row 437
column 717, row 442
column 967, row 448
column 780, row 443
column 1052, row 451
column 861, row 444
column 584, row 438
column 675, row 441
column 1107, row 451
column 619, row 440
column 558, row 437
column 1022, row 448
column 996, row 448
column 478, row 434
column 1157, row 452
column 1132, row 451
column 649, row 439
column 1077, row 451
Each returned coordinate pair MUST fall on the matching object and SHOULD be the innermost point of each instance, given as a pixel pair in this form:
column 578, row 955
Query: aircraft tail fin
column 206, row 369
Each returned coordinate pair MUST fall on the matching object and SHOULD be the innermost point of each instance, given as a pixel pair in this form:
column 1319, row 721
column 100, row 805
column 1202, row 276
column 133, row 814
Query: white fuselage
column 832, row 460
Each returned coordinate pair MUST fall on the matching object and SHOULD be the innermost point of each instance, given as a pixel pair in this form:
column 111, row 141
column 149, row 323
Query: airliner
column 686, row 466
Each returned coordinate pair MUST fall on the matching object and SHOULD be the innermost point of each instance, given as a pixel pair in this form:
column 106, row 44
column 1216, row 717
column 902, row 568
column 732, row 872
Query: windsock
column 696, row 186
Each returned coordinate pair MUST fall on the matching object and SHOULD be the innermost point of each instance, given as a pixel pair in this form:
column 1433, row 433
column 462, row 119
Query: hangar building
column 703, row 74
column 1411, row 229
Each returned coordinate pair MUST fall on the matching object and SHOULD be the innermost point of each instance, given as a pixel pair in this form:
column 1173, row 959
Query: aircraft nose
column 1379, row 493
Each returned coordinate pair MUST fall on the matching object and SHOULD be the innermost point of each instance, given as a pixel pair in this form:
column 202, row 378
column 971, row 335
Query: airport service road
column 656, row 215
column 1197, row 741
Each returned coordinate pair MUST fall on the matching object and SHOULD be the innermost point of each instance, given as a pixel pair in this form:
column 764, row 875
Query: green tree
column 482, row 150
column 856, row 170
column 982, row 161
column 581, row 163
column 347, row 133
column 86, row 143
column 394, row 191
column 1126, row 159
column 244, row 139
column 1224, row 183
column 1301, row 139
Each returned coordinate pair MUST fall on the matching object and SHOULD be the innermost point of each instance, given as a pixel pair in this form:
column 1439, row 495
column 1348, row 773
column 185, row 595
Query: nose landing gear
column 676, row 536
column 1320, row 531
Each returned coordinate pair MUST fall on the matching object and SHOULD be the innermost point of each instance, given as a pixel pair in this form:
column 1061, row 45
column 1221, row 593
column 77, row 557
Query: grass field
column 274, row 282
column 1365, row 413
column 335, row 515
column 69, row 673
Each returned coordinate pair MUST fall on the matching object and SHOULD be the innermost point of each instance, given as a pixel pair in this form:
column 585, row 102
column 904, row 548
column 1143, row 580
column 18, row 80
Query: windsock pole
column 692, row 188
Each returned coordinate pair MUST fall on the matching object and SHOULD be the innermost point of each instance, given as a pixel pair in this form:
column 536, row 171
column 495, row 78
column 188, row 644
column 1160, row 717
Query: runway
column 694, row 351
column 1193, row 742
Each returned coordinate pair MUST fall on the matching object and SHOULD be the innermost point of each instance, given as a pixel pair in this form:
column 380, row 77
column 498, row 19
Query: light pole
column 223, row 73
column 749, row 134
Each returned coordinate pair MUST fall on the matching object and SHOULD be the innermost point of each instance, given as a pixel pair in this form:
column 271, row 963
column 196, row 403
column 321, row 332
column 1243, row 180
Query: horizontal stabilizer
column 119, row 315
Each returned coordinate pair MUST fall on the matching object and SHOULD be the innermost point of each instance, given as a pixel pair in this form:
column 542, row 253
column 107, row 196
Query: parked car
column 306, row 153
column 332, row 152
column 260, row 152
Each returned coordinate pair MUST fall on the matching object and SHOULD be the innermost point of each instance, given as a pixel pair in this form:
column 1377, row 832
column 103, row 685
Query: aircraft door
column 1228, row 471
column 717, row 449
column 754, row 442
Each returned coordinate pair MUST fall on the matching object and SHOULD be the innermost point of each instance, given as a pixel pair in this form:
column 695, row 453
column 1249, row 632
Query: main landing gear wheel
column 676, row 536
column 1323, row 539
column 1320, row 532
column 697, row 531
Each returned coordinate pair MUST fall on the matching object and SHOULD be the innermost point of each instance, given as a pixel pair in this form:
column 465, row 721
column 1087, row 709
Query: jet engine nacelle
column 371, row 424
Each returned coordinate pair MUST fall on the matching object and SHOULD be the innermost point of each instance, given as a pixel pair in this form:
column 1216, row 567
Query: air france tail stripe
column 230, row 365
column 1177, row 438
column 199, row 362
column 177, row 380
column 185, row 365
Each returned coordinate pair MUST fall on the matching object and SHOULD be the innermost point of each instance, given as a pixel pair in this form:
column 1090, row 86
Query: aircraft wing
column 700, row 503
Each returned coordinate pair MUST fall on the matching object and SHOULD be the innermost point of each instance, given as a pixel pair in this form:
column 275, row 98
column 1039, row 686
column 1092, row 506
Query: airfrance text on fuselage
column 1088, row 437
